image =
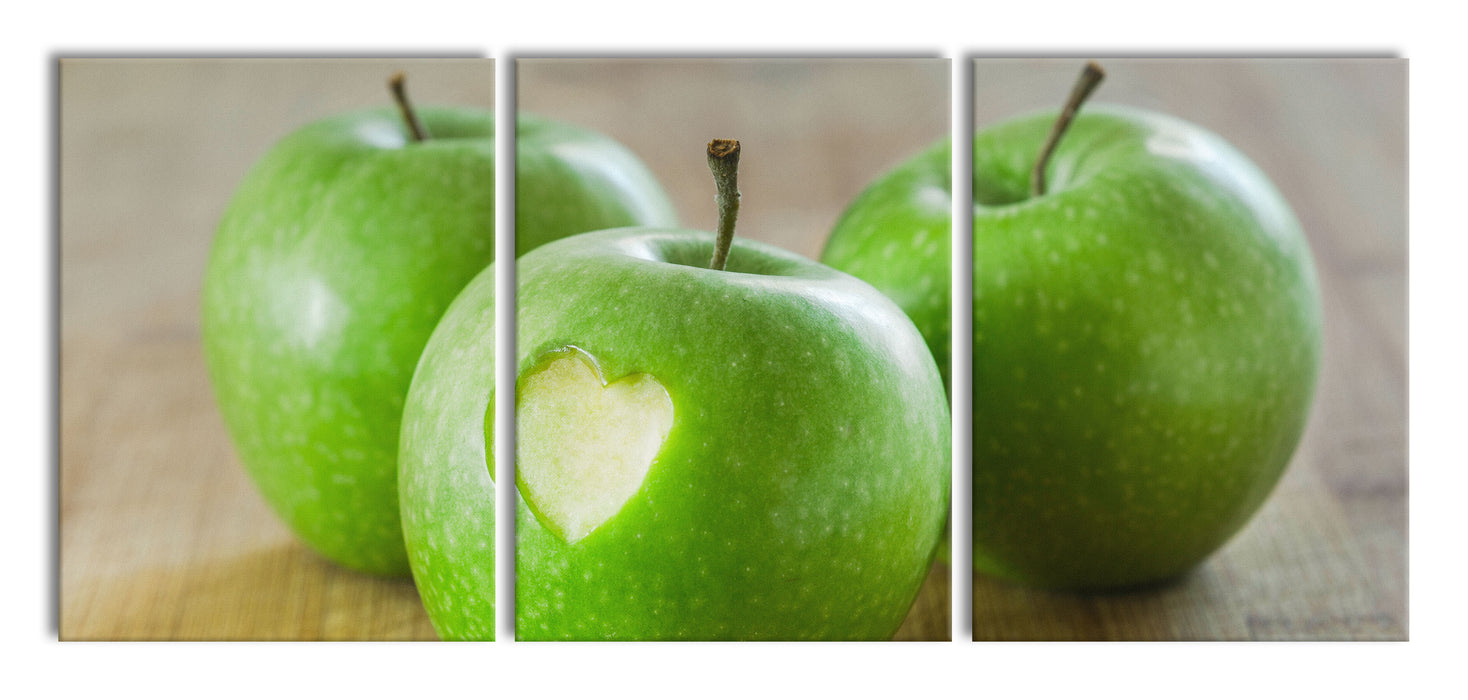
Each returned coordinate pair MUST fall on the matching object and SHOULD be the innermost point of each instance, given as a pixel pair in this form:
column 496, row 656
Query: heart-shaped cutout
column 584, row 446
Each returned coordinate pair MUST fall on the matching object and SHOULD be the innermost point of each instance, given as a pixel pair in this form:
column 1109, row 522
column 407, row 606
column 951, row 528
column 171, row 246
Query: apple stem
column 724, row 164
column 1091, row 76
column 400, row 95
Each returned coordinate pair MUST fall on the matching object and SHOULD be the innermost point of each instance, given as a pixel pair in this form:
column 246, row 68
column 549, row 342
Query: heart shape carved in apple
column 584, row 446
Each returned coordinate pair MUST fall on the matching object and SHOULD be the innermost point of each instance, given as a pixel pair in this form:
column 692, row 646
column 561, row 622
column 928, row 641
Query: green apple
column 446, row 467
column 754, row 452
column 759, row 452
column 1147, row 333
column 332, row 264
column 331, row 267
column 896, row 236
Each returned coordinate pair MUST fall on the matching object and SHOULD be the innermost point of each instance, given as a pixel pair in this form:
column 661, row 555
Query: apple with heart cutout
column 331, row 267
column 1147, row 335
column 753, row 448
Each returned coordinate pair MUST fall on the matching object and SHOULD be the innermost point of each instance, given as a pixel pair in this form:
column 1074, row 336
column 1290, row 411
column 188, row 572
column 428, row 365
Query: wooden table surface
column 1326, row 557
column 163, row 537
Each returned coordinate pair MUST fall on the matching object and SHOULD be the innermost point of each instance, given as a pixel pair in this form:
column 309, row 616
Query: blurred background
column 1326, row 557
column 813, row 133
column 162, row 536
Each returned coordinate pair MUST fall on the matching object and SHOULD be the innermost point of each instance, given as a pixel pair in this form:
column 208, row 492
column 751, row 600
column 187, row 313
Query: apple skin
column 802, row 486
column 1147, row 336
column 897, row 236
column 331, row 267
column 446, row 468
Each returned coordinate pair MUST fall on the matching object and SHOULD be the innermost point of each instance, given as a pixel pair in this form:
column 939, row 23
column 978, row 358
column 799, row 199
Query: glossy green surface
column 337, row 255
column 572, row 180
column 804, row 482
column 897, row 236
column 446, row 468
column 1146, row 342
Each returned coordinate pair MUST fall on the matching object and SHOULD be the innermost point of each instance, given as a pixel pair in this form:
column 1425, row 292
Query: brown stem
column 400, row 95
column 724, row 164
column 1091, row 76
